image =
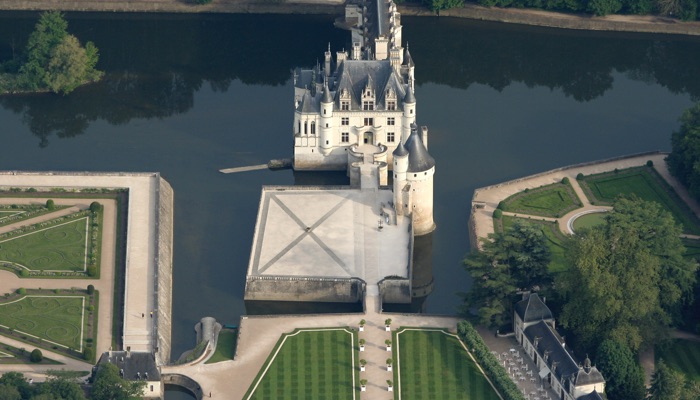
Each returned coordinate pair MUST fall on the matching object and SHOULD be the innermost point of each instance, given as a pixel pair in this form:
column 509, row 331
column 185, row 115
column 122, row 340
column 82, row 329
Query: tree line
column 628, row 282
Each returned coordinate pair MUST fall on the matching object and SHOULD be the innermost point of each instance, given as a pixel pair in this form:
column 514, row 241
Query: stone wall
column 395, row 290
column 283, row 288
column 184, row 382
column 164, row 271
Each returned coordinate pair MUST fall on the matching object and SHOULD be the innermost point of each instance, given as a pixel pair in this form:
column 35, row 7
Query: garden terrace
column 62, row 321
column 433, row 363
column 645, row 183
column 310, row 364
column 547, row 201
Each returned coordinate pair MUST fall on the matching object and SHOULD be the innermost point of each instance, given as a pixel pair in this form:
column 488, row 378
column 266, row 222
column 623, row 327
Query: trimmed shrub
column 92, row 270
column 579, row 176
column 36, row 356
column 87, row 353
column 23, row 273
column 650, row 163
column 501, row 205
column 565, row 180
column 50, row 204
column 21, row 291
column 95, row 206
column 91, row 308
column 90, row 290
column 497, row 213
column 491, row 366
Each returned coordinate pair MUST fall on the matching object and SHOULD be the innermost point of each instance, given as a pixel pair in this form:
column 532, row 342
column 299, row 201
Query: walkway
column 486, row 199
column 258, row 335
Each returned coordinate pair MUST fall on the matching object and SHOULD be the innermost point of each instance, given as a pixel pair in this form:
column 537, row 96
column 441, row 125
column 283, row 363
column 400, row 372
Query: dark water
column 187, row 95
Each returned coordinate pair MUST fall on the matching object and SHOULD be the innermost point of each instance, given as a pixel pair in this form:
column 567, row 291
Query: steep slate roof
column 400, row 150
column 133, row 364
column 556, row 353
column 354, row 74
column 533, row 309
column 326, row 98
column 588, row 378
column 594, row 395
column 410, row 98
column 309, row 104
column 419, row 160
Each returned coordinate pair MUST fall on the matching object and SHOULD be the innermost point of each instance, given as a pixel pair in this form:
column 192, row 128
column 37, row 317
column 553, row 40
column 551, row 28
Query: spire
column 587, row 364
column 407, row 60
column 326, row 94
column 400, row 150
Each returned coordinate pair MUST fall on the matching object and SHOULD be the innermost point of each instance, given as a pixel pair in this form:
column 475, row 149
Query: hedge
column 491, row 366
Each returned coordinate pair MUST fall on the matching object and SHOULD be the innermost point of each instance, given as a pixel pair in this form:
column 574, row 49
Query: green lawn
column 555, row 241
column 645, row 183
column 683, row 356
column 547, row 201
column 4, row 214
column 433, row 364
column 58, row 319
column 589, row 220
column 310, row 364
column 10, row 214
column 225, row 346
column 61, row 247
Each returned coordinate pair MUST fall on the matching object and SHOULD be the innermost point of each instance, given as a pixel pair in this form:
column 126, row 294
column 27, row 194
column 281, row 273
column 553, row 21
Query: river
column 187, row 95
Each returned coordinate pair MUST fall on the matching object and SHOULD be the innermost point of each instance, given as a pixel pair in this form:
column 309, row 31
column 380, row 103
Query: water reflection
column 155, row 64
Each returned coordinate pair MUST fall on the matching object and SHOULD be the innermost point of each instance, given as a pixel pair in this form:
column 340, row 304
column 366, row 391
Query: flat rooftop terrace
column 328, row 233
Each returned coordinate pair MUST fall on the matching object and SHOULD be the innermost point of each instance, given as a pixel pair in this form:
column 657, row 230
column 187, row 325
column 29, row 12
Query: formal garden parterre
column 435, row 364
column 310, row 364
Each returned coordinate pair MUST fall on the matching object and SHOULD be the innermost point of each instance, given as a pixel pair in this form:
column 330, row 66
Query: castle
column 357, row 114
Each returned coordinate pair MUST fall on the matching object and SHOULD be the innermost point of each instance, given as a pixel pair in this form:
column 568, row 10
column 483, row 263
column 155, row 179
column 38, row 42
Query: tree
column 67, row 67
column 109, row 385
column 628, row 277
column 50, row 204
column 684, row 160
column 624, row 378
column 62, row 389
column 604, row 7
column 36, row 356
column 51, row 29
column 666, row 384
column 9, row 392
column 515, row 259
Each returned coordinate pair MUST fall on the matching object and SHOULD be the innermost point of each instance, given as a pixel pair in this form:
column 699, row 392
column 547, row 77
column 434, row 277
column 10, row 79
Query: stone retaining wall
column 164, row 271
column 282, row 288
column 184, row 382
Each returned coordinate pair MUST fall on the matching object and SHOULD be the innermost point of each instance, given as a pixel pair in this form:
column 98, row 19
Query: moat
column 197, row 93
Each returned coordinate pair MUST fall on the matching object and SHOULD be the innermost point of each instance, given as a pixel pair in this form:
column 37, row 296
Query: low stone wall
column 282, row 288
column 395, row 291
column 184, row 382
column 164, row 271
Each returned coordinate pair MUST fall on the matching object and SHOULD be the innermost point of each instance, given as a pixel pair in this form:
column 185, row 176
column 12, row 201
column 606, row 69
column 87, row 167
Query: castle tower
column 409, row 114
column 326, row 120
column 401, row 196
column 419, row 176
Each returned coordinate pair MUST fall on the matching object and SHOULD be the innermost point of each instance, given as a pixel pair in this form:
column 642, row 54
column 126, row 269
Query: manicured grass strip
column 56, row 248
column 683, row 356
column 547, row 201
column 310, row 364
column 645, row 183
column 225, row 346
column 692, row 249
column 10, row 214
column 7, row 214
column 57, row 320
column 434, row 364
column 555, row 240
column 11, row 355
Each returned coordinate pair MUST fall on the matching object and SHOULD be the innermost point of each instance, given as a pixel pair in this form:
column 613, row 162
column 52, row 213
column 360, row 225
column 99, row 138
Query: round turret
column 419, row 177
column 409, row 113
column 326, row 120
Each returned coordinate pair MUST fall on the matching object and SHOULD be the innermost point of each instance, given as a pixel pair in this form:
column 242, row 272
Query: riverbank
column 615, row 23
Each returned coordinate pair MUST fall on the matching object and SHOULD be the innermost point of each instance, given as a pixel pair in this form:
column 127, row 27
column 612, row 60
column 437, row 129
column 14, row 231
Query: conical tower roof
column 326, row 98
column 400, row 150
column 410, row 98
column 419, row 160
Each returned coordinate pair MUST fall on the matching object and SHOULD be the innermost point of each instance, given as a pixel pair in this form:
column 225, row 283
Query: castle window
column 345, row 137
column 391, row 121
column 368, row 105
column 345, row 105
column 345, row 121
column 391, row 105
column 326, row 142
column 415, row 175
column 369, row 121
column 390, row 137
column 306, row 128
column 411, row 112
column 324, row 111
column 326, row 124
column 313, row 127
column 298, row 127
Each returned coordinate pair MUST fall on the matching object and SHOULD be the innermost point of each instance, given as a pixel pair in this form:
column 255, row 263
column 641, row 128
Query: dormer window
column 368, row 97
column 390, row 99
column 344, row 100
